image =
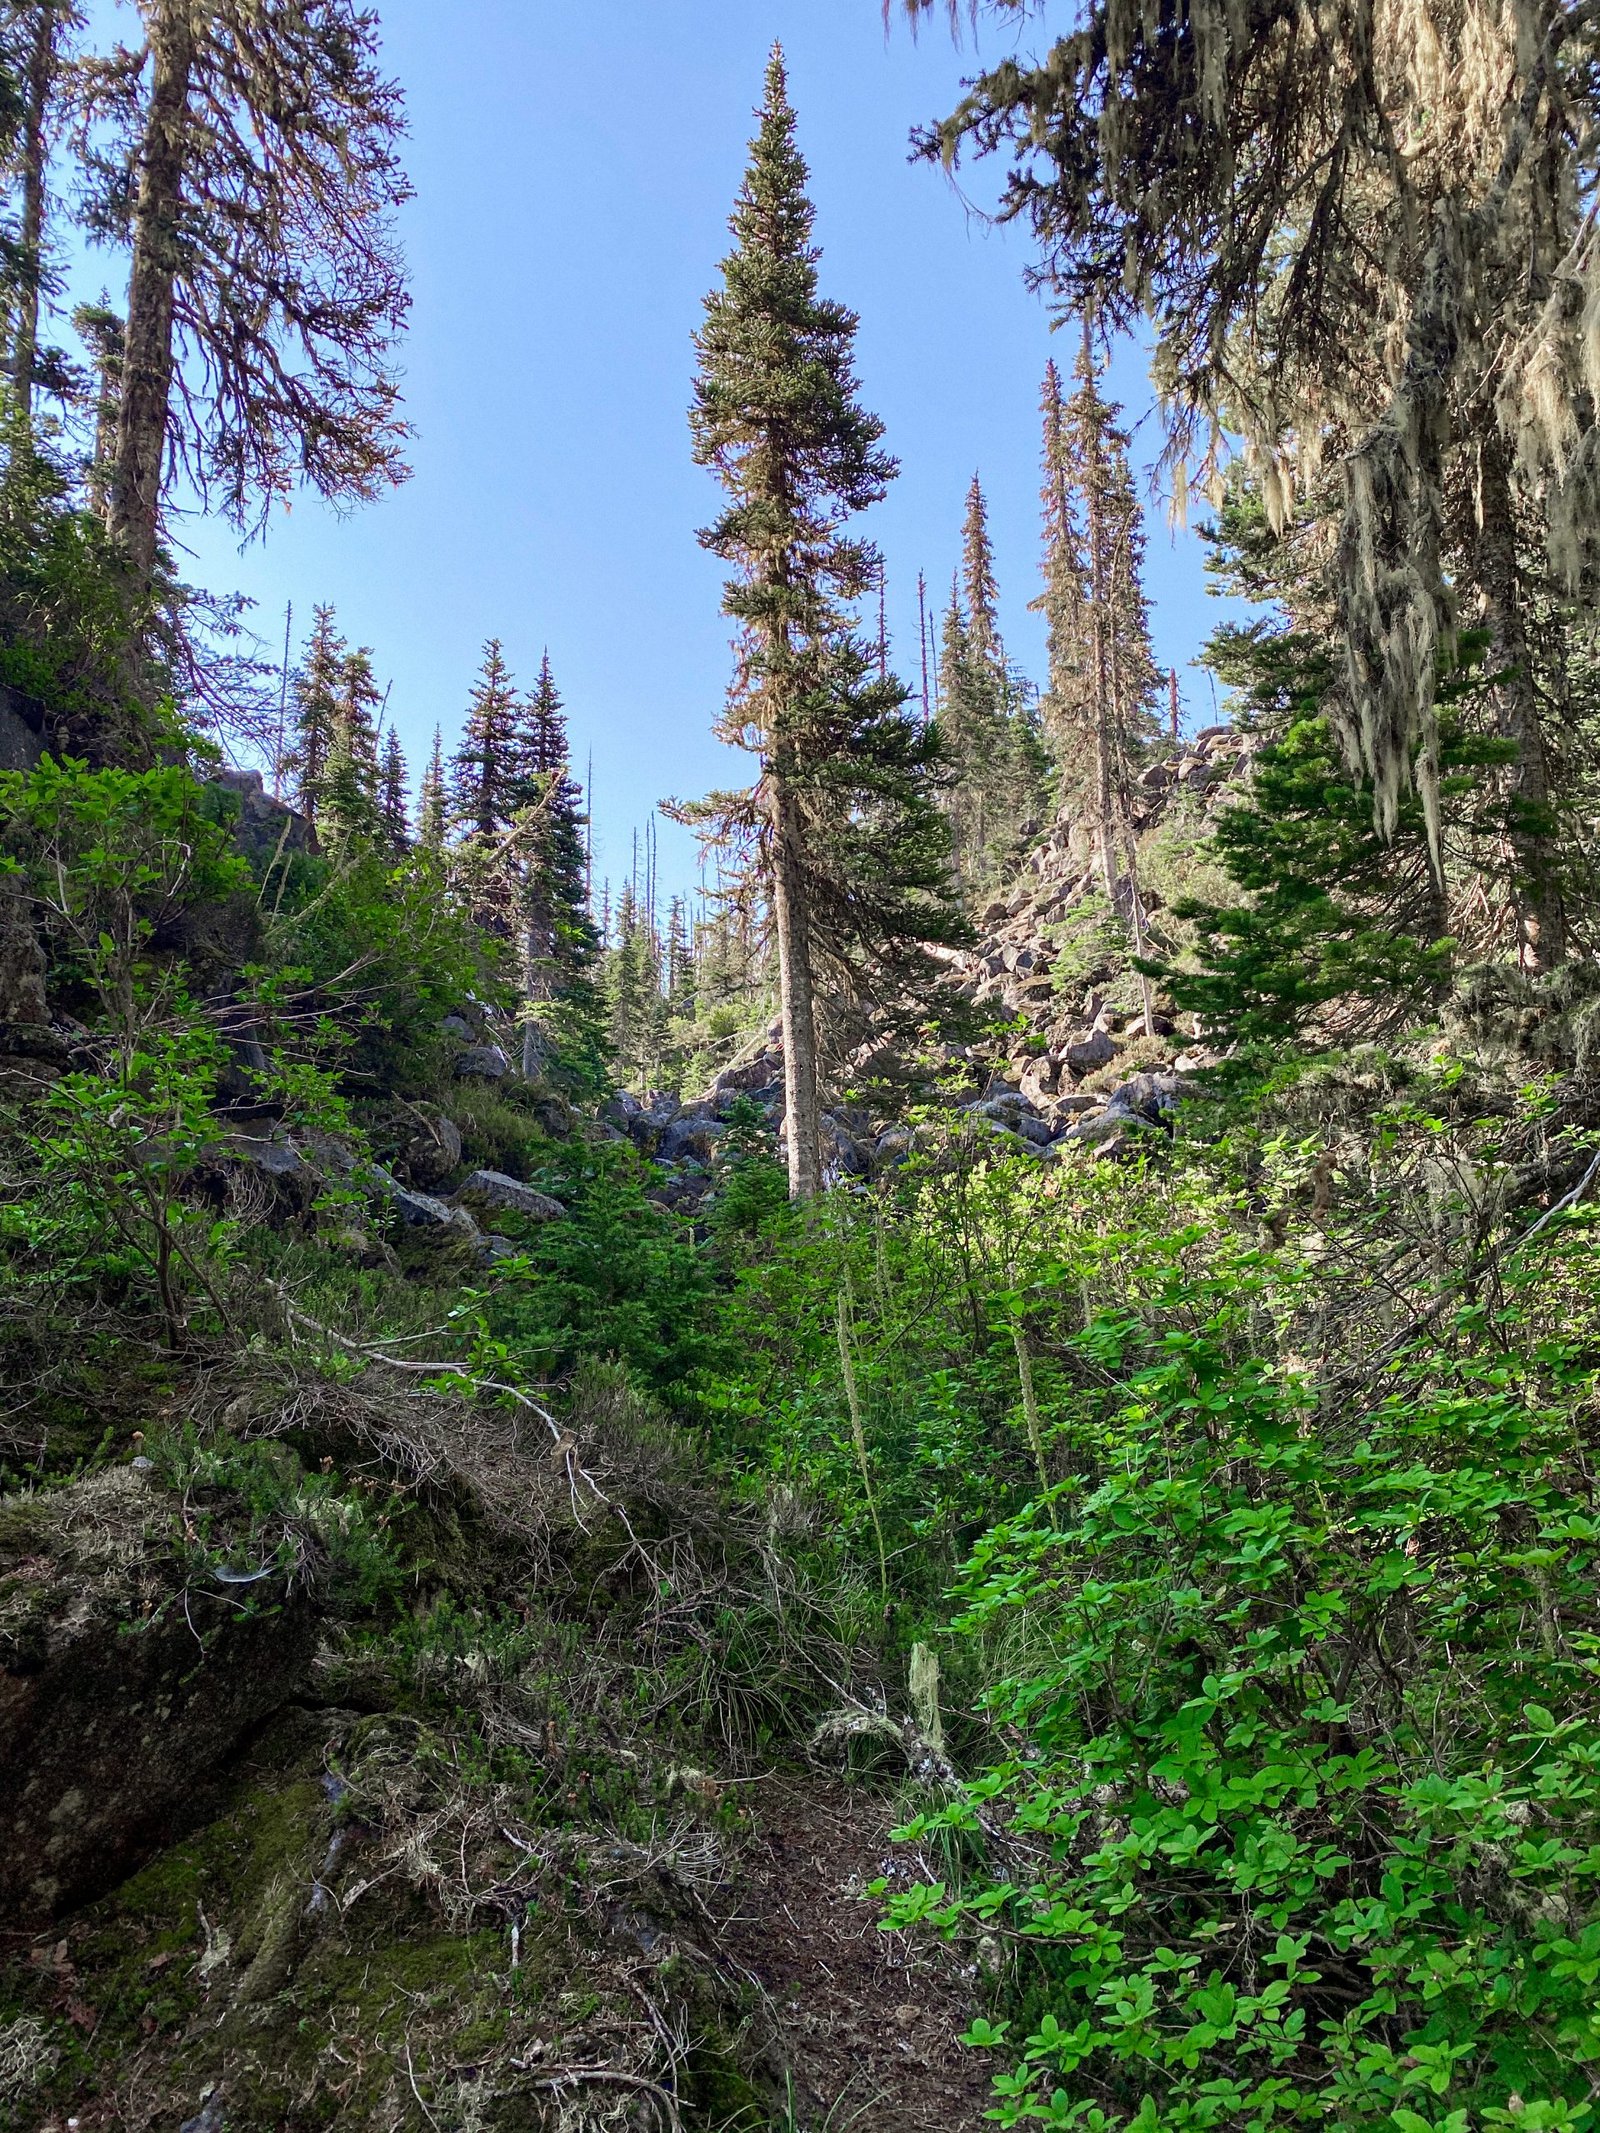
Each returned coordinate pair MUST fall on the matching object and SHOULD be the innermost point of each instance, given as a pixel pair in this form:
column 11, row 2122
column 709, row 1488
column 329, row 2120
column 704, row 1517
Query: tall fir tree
column 485, row 770
column 841, row 819
column 560, row 945
column 978, row 579
column 351, row 806
column 1101, row 708
column 433, row 800
column 394, row 793
column 635, row 1007
column 988, row 721
column 317, row 688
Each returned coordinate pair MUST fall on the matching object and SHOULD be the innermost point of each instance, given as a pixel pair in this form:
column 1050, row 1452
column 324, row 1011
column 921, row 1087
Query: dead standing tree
column 247, row 155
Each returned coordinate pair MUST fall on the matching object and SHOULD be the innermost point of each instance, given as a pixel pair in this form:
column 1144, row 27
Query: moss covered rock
column 128, row 1670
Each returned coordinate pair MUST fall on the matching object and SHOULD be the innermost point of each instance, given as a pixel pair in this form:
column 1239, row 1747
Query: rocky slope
column 1066, row 1060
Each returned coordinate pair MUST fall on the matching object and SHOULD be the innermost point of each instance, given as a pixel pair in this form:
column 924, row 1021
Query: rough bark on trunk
column 1542, row 920
column 791, row 919
column 148, row 353
column 36, row 104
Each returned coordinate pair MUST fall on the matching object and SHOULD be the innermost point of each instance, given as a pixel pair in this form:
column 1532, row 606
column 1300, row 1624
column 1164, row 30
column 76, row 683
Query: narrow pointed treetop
column 850, row 851
column 433, row 804
column 775, row 408
column 482, row 792
column 977, row 570
column 394, row 785
column 545, row 735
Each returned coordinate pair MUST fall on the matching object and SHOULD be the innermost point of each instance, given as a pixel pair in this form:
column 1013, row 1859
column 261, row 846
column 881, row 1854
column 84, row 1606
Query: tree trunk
column 1099, row 608
column 803, row 1123
column 148, row 356
column 36, row 105
column 1542, row 921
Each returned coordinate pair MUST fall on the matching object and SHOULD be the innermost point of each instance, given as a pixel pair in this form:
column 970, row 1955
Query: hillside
column 935, row 1469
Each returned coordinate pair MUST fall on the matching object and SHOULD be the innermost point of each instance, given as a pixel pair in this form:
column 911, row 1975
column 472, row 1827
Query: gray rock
column 746, row 1075
column 335, row 1158
column 458, row 1026
column 1149, row 1097
column 684, row 1194
column 1093, row 1132
column 483, row 1062
column 1005, row 1109
column 495, row 1250
column 22, row 731
column 209, row 2118
column 1074, row 1103
column 895, row 1145
column 434, row 1152
column 842, row 1154
column 421, row 1211
column 492, row 1188
column 691, row 1135
column 1040, row 1080
column 1081, row 1055
column 274, row 1158
column 765, row 1097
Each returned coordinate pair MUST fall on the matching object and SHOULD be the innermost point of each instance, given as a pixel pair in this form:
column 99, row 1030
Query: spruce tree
column 850, row 846
column 635, row 1008
column 350, row 807
column 978, row 579
column 317, row 688
column 560, row 946
column 485, row 770
column 433, row 800
column 988, row 721
column 1101, row 709
column 394, row 793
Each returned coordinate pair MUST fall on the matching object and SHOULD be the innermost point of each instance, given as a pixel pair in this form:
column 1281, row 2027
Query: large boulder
column 433, row 1217
column 482, row 1062
column 691, row 1138
column 745, row 1076
column 493, row 1189
column 267, row 829
column 269, row 1155
column 1083, row 1054
column 128, row 1671
column 1149, row 1098
column 433, row 1154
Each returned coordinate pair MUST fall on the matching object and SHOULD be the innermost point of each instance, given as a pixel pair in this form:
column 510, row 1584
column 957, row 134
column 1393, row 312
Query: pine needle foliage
column 841, row 824
column 1361, row 238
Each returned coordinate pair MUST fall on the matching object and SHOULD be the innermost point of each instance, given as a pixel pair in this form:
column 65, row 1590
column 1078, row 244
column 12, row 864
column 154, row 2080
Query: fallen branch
column 565, row 1443
column 561, row 2077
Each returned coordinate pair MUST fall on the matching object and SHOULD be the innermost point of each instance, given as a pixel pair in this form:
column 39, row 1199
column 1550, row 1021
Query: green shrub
column 620, row 1278
column 1304, row 1797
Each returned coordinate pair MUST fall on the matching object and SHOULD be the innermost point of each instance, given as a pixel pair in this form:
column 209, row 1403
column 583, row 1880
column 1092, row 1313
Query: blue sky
column 575, row 166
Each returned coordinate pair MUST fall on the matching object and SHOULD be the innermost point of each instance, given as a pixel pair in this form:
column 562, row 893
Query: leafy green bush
column 130, row 875
column 371, row 953
column 1301, row 1820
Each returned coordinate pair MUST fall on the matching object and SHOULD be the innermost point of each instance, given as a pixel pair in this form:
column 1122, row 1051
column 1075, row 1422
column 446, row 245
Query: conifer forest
column 915, row 1443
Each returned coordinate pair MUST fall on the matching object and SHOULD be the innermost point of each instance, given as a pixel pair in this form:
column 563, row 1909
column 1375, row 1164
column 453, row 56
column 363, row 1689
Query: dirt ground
column 868, row 2020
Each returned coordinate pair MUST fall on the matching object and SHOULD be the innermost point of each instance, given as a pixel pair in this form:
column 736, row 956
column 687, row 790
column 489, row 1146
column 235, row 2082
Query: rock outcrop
column 128, row 1671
